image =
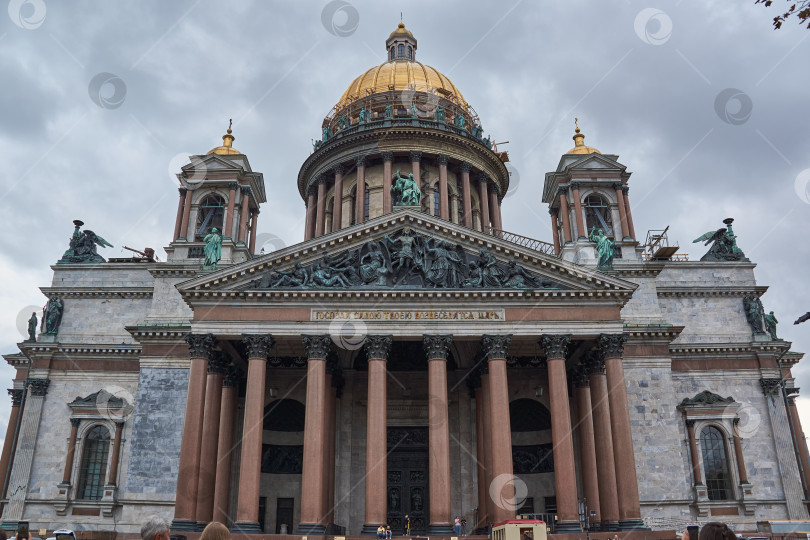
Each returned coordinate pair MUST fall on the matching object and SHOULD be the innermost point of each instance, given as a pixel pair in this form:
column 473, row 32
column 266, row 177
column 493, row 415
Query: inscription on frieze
column 407, row 315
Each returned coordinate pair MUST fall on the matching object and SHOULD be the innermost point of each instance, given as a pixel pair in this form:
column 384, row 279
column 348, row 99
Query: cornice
column 750, row 348
column 652, row 332
column 98, row 292
column 758, row 290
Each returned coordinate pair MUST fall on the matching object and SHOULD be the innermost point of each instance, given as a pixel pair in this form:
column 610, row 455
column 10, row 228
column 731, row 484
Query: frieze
column 407, row 437
column 526, row 362
column 533, row 459
column 404, row 260
column 407, row 315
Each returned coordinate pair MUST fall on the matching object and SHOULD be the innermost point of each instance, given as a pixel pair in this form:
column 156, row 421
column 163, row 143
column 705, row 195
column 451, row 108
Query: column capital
column 465, row 166
column 119, row 424
column 246, row 190
column 378, row 347
column 200, row 345
column 317, row 347
column 555, row 345
column 770, row 387
column 258, row 345
column 625, row 188
column 563, row 190
column 360, row 161
column 230, row 376
column 617, row 186
column 321, row 180
column 217, row 363
column 437, row 346
column 553, row 211
column 75, row 422
column 495, row 346
column 483, row 178
column 580, row 376
column 575, row 185
column 416, row 156
column 493, row 188
column 442, row 159
column 182, row 190
column 233, row 186
column 339, row 169
column 16, row 396
column 612, row 345
column 595, row 363
column 255, row 211
column 690, row 423
column 387, row 156
column 39, row 387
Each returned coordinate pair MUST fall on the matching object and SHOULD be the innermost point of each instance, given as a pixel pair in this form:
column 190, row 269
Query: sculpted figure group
column 404, row 259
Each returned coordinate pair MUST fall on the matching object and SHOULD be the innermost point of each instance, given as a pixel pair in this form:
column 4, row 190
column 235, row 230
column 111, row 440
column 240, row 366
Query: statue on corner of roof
column 389, row 112
column 52, row 316
column 724, row 244
column 604, row 249
column 82, row 247
column 32, row 327
column 754, row 313
column 770, row 324
column 212, row 249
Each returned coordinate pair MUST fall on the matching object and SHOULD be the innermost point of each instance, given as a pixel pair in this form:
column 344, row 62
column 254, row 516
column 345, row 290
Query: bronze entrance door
column 408, row 479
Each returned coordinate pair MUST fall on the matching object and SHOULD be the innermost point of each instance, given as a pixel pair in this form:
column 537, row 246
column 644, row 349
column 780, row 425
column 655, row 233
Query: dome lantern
column 579, row 142
column 401, row 45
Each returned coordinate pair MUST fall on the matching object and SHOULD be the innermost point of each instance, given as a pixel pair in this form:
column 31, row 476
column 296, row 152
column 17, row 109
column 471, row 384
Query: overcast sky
column 102, row 102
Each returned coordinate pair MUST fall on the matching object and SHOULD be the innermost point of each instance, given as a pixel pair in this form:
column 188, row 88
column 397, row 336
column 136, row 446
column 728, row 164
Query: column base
column 441, row 529
column 609, row 526
column 312, row 528
column 246, row 527
column 567, row 527
column 632, row 525
column 9, row 525
column 369, row 529
column 185, row 525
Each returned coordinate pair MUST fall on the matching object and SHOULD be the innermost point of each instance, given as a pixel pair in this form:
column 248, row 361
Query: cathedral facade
column 409, row 359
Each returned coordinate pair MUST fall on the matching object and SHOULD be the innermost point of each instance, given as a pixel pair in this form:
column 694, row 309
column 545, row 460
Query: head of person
column 715, row 530
column 215, row 531
column 155, row 528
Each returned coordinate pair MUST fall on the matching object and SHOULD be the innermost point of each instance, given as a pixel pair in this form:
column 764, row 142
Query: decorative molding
column 16, row 395
column 483, row 178
column 437, row 346
column 182, row 191
column 75, row 422
column 217, row 363
column 690, row 423
column 246, row 190
column 555, row 345
column 770, row 386
column 231, row 376
column 233, row 186
column 99, row 292
column 200, row 345
column 360, row 161
column 612, row 345
column 258, row 345
column 442, row 159
column 317, row 347
column 495, row 346
column 39, row 387
column 580, row 376
column 707, row 398
column 713, row 291
column 378, row 347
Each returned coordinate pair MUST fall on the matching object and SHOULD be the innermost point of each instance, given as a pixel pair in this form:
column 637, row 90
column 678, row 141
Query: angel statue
column 212, row 249
column 83, row 246
column 604, row 249
column 405, row 191
column 445, row 270
column 770, row 325
column 724, row 244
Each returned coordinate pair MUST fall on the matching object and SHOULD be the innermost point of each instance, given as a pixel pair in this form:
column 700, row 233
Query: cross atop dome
column 227, row 143
column 401, row 45
column 579, row 142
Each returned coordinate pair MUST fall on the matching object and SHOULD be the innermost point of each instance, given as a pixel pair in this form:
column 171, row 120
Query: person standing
column 463, row 526
column 407, row 525
column 457, row 526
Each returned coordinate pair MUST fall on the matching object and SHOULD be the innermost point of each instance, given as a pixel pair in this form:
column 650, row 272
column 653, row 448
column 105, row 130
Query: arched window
column 95, row 450
column 410, row 53
column 391, row 53
column 366, row 204
column 436, row 201
column 597, row 214
column 401, row 50
column 715, row 464
column 211, row 213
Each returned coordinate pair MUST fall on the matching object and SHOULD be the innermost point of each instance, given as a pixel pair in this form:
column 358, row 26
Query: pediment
column 594, row 161
column 406, row 251
column 212, row 162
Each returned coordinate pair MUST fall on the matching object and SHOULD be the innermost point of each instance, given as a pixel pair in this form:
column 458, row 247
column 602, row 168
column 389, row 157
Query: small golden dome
column 402, row 75
column 227, row 148
column 579, row 141
column 400, row 30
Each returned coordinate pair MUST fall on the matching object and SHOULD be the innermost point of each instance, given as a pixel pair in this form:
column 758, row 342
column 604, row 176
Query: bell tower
column 218, row 190
column 588, row 192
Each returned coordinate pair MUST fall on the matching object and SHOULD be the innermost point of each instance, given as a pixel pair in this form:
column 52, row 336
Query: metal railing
column 525, row 241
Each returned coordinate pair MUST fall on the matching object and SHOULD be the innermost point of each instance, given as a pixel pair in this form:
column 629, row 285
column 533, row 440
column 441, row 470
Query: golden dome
column 579, row 141
column 227, row 148
column 399, row 75
column 400, row 30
